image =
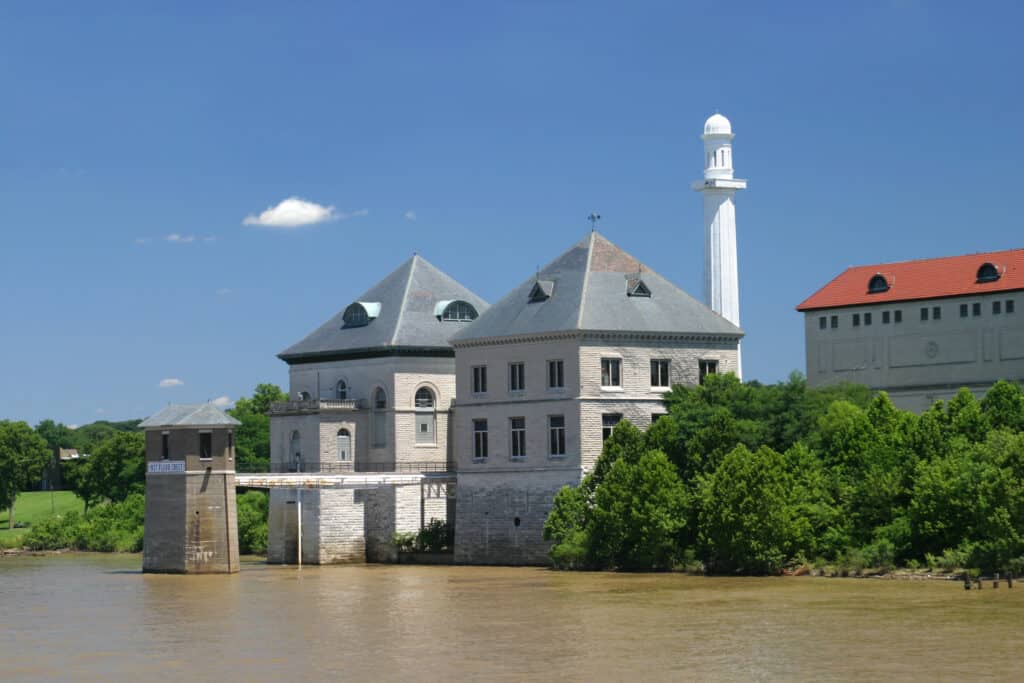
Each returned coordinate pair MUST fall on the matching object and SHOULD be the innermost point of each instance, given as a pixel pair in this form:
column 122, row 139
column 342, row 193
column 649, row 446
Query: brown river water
column 98, row 618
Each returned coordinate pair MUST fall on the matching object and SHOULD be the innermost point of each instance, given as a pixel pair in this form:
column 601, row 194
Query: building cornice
column 603, row 335
column 362, row 354
column 998, row 293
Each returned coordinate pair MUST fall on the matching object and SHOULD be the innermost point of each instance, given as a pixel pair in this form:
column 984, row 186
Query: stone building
column 921, row 329
column 545, row 374
column 371, row 391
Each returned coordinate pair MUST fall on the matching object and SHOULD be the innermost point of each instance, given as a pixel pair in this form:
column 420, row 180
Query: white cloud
column 170, row 382
column 222, row 401
column 410, row 215
column 293, row 213
column 180, row 239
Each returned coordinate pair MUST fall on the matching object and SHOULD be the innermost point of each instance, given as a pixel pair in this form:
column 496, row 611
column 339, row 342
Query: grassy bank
column 33, row 507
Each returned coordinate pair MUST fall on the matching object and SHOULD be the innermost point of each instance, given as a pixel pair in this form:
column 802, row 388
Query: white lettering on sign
column 164, row 466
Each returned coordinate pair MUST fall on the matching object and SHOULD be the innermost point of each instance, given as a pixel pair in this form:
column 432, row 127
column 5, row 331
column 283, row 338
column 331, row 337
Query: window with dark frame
column 611, row 372
column 608, row 422
column 822, row 322
column 205, row 445
column 1009, row 305
column 997, row 307
column 479, row 439
column 705, row 368
column 867, row 318
column 517, row 376
column 856, row 319
column 897, row 316
column 936, row 313
column 659, row 373
column 924, row 313
column 556, row 374
column 165, row 447
column 835, row 322
column 556, row 435
column 885, row 317
column 517, row 427
column 976, row 309
column 480, row 379
column 963, row 310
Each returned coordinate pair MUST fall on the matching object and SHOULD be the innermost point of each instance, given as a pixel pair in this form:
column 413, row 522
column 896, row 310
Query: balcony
column 322, row 405
column 336, row 467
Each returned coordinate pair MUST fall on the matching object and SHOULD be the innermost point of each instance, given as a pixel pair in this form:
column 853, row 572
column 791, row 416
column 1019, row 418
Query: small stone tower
column 721, row 275
column 191, row 519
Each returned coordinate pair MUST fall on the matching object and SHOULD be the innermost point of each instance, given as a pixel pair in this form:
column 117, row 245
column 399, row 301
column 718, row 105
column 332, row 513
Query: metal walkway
column 315, row 480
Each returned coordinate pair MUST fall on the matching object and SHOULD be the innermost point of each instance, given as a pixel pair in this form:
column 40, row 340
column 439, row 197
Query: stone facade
column 918, row 360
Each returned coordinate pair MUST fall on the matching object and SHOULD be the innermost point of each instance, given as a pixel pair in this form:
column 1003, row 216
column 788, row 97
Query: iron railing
column 349, row 467
column 314, row 405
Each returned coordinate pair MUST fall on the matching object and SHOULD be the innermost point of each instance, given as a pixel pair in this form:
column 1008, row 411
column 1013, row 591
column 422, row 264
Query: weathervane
column 594, row 218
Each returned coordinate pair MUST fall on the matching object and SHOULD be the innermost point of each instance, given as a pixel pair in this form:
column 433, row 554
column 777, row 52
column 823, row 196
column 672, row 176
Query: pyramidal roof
column 402, row 312
column 190, row 415
column 596, row 286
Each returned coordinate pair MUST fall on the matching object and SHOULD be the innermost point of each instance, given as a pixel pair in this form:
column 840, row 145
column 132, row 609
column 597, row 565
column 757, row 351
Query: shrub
column 253, row 508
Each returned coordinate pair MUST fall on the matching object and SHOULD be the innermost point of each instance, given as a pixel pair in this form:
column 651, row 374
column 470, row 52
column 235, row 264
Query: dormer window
column 878, row 284
column 541, row 291
column 455, row 311
column 637, row 287
column 988, row 273
column 360, row 313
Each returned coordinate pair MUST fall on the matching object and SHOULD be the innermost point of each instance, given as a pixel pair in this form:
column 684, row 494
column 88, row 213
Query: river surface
column 82, row 617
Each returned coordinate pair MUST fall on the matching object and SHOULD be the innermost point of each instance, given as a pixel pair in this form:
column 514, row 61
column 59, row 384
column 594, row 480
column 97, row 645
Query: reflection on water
column 95, row 618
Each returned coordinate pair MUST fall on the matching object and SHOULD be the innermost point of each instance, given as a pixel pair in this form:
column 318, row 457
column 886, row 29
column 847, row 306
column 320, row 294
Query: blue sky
column 869, row 131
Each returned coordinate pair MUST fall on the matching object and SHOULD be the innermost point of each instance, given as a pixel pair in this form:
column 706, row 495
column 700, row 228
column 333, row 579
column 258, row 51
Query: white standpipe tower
column 721, row 278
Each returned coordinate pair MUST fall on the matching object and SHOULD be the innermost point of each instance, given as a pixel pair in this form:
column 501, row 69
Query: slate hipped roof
column 921, row 279
column 407, row 319
column 589, row 289
column 190, row 415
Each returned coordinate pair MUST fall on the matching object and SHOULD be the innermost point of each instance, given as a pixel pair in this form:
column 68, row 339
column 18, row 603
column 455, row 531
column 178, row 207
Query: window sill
column 517, row 393
column 661, row 390
column 517, row 458
column 425, row 445
column 604, row 388
column 479, row 460
column 559, row 456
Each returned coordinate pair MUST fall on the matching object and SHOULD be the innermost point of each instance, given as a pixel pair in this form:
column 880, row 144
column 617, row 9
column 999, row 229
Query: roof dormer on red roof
column 972, row 274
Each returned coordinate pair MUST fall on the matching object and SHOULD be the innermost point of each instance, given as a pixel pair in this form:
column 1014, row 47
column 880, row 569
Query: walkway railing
column 345, row 467
column 313, row 405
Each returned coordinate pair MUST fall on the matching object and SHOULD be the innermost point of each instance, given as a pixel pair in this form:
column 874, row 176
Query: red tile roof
column 924, row 279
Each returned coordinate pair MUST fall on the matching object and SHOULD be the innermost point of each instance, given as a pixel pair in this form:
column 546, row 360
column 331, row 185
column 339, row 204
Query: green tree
column 252, row 437
column 749, row 521
column 56, row 434
column 23, row 456
column 253, row 507
column 115, row 469
column 1004, row 406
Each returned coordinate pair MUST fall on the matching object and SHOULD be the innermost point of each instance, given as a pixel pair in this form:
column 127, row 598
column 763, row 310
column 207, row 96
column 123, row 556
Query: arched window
column 360, row 313
column 988, row 273
column 380, row 404
column 426, row 419
column 424, row 398
column 305, row 396
column 344, row 446
column 459, row 311
column 295, row 450
column 878, row 284
column 341, row 390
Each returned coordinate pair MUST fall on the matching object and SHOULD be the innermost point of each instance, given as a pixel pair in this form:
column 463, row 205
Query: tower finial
column 594, row 217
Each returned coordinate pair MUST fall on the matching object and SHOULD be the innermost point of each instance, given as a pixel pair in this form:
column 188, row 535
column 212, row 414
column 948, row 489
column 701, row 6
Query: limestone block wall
column 684, row 364
column 163, row 547
column 639, row 411
column 500, row 516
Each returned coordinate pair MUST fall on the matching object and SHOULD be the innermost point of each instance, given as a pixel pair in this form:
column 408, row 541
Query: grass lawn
column 33, row 506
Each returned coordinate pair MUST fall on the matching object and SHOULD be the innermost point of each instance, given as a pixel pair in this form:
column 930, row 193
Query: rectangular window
column 205, row 445
column 426, row 426
column 936, row 313
column 517, row 376
column 885, row 317
column 611, row 372
column 1009, row 305
column 897, row 316
column 867, row 318
column 997, row 307
column 705, row 368
column 165, row 447
column 963, row 310
column 608, row 422
column 480, row 379
column 657, row 416
column 822, row 322
column 556, row 434
column 479, row 439
column 856, row 319
column 659, row 373
column 976, row 309
column 517, row 427
column 556, row 374
column 835, row 322
column 924, row 313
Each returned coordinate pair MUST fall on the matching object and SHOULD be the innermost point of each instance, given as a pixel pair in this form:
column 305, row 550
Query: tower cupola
column 717, row 147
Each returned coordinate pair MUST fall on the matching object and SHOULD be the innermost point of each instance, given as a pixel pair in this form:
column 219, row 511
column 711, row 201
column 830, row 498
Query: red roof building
column 969, row 275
